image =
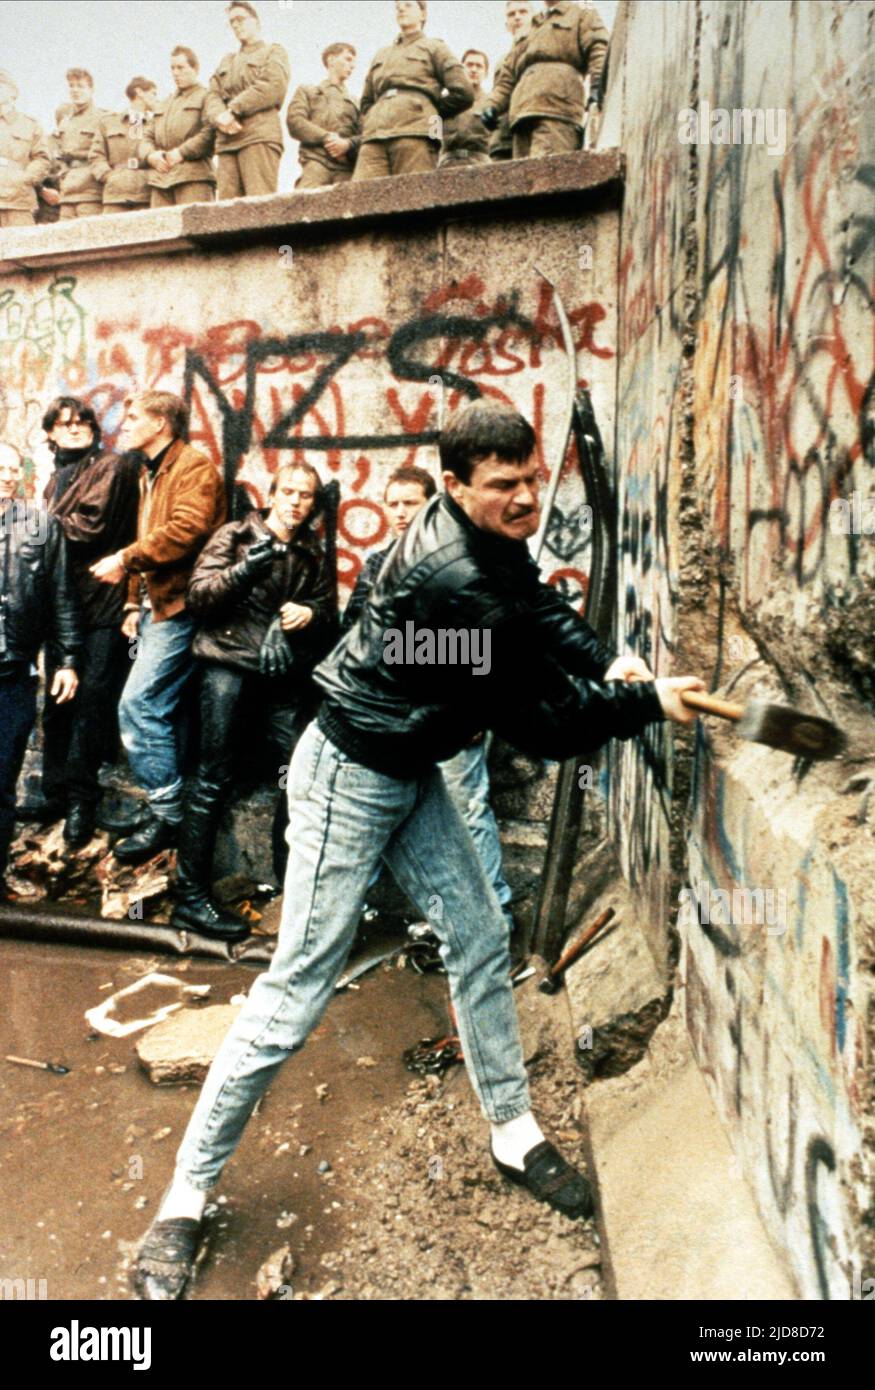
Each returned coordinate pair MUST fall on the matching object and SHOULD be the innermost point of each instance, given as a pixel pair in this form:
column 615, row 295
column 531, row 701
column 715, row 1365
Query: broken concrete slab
column 616, row 995
column 182, row 1048
column 680, row 1220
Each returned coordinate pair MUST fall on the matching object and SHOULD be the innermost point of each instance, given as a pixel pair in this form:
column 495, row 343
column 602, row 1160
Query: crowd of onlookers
column 420, row 108
column 135, row 586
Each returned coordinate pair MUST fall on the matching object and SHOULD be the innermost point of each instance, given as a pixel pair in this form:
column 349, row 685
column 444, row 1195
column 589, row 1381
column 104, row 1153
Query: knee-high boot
column 195, row 908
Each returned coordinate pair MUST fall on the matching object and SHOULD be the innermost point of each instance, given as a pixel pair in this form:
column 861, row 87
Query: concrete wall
column 745, row 407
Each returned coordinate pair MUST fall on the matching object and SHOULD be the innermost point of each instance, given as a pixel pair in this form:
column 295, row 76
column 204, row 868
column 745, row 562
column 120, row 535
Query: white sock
column 512, row 1140
column 182, row 1200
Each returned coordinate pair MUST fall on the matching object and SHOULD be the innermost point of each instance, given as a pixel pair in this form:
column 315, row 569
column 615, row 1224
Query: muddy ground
column 408, row 1207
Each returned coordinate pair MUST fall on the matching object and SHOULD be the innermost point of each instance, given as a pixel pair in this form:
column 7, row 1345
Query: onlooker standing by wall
column 265, row 602
column 182, row 501
column 466, row 139
column 543, row 85
column 25, row 159
column 246, row 94
column 37, row 601
column 517, row 22
column 411, row 85
column 93, row 494
column 325, row 119
column 81, row 195
column 114, row 157
column 179, row 147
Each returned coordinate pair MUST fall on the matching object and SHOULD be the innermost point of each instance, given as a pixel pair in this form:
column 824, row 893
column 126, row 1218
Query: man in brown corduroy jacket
column 182, row 501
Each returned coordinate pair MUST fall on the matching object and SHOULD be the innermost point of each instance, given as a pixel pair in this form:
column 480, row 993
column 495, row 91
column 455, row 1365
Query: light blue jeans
column 342, row 818
column 467, row 779
column 148, row 713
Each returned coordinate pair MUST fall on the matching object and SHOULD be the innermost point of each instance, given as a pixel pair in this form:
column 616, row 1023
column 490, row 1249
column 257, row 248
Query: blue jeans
column 148, row 714
column 467, row 779
column 342, row 818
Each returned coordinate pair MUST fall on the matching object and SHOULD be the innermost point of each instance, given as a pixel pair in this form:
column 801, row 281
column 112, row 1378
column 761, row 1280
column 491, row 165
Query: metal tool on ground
column 433, row 1055
column 43, row 1066
column 554, row 979
column 778, row 726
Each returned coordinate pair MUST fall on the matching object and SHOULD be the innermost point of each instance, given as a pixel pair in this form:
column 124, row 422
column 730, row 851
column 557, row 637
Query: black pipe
column 47, row 924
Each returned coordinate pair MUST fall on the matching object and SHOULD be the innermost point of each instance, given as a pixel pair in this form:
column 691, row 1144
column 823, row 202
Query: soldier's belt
column 396, row 91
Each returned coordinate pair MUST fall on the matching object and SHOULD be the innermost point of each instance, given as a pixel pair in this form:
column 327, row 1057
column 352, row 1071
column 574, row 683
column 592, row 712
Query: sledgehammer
column 779, row 726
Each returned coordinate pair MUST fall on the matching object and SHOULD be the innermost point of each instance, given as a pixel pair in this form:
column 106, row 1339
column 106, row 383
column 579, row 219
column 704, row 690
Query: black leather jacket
column 234, row 614
column 39, row 598
column 543, row 690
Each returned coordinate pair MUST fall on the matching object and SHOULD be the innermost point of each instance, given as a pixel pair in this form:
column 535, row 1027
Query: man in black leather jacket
column 266, row 606
column 364, row 785
column 38, row 600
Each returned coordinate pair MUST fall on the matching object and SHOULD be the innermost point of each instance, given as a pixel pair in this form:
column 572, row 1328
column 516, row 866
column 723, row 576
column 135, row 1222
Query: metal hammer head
column 791, row 730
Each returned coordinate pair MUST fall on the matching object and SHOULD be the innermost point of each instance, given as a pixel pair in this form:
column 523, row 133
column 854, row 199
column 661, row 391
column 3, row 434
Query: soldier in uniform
column 178, row 149
column 325, row 119
column 466, row 139
column 115, row 162
column 411, row 85
column 543, row 85
column 517, row 22
column 25, row 159
column 81, row 194
column 246, row 93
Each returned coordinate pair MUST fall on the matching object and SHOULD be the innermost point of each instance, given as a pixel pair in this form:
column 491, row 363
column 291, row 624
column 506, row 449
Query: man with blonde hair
column 182, row 501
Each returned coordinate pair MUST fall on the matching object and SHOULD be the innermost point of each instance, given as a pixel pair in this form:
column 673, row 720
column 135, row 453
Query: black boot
column 195, row 908
column 79, row 825
column 145, row 843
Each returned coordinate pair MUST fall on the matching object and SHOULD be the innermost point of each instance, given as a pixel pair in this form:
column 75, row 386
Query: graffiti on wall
column 356, row 399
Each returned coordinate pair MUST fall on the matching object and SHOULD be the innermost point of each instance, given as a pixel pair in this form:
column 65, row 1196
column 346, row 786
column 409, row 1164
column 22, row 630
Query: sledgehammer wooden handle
column 711, row 704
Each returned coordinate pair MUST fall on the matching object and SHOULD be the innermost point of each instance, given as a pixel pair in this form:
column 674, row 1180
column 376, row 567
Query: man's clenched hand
column 628, row 668
column 669, row 688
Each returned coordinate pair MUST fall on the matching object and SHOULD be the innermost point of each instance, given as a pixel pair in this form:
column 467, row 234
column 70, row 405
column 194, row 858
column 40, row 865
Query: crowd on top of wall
column 421, row 108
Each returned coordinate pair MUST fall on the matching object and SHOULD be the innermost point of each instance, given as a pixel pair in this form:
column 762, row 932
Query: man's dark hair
column 79, row 411
column 187, row 53
column 242, row 5
column 318, row 488
column 79, row 75
column 165, row 406
column 409, row 473
column 333, row 48
column 481, row 429
column 478, row 52
column 139, row 84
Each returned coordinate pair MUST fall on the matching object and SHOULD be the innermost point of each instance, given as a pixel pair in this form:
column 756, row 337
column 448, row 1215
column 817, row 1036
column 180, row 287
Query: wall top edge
column 589, row 176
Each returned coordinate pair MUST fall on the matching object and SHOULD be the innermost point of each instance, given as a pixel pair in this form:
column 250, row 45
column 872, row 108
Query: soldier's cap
column 7, row 81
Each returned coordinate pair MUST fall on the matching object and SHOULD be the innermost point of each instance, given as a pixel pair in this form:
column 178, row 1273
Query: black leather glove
column 489, row 117
column 275, row 656
column 256, row 563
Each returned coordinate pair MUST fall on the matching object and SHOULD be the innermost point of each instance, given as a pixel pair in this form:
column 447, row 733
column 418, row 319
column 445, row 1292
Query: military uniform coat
column 114, row 160
column 404, row 89
column 181, row 124
column 25, row 160
column 544, row 79
column 466, row 139
column 72, row 143
column 252, row 85
column 315, row 112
